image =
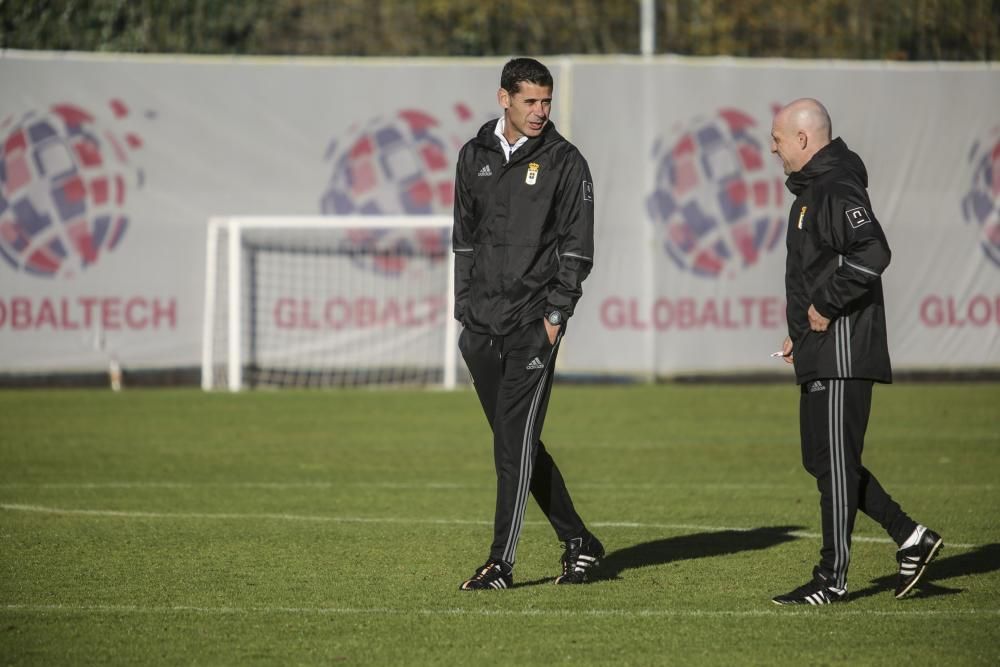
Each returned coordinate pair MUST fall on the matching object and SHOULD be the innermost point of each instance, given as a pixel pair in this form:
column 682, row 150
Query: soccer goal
column 329, row 302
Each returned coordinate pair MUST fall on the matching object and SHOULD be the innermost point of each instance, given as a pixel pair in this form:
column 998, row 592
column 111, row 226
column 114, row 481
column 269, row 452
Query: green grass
column 174, row 527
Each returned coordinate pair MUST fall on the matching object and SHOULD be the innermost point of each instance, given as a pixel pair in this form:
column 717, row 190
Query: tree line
column 850, row 29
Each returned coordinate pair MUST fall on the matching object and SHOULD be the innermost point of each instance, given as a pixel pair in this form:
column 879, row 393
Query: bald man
column 837, row 342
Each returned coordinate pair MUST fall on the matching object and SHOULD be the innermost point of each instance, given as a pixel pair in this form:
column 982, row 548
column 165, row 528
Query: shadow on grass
column 688, row 547
column 684, row 547
column 981, row 560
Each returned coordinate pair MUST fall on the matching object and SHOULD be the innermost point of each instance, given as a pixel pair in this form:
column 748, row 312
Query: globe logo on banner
column 64, row 180
column 981, row 204
column 403, row 164
column 717, row 199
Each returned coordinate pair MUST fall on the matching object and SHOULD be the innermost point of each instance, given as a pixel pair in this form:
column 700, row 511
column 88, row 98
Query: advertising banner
column 693, row 210
column 111, row 166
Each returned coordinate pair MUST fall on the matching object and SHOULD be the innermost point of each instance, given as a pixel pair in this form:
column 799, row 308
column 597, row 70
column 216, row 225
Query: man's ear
column 803, row 139
column 503, row 97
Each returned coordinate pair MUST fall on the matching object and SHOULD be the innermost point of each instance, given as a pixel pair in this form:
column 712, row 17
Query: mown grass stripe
column 457, row 486
column 405, row 520
column 387, row 611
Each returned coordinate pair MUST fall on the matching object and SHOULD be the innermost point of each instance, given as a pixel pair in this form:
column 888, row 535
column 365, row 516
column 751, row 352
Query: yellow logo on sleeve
column 802, row 214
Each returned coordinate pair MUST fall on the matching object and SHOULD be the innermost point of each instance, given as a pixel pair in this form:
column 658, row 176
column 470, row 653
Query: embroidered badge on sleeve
column 857, row 216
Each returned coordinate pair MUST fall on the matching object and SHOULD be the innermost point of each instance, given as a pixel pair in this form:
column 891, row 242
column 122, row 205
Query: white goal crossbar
column 225, row 280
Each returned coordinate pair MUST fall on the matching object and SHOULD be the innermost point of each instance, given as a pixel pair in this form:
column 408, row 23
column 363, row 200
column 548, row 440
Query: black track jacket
column 836, row 255
column 524, row 230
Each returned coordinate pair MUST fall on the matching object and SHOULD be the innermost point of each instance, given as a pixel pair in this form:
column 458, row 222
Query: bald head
column 807, row 115
column 800, row 129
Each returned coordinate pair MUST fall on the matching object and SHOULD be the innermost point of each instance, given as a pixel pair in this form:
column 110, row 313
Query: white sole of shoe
column 930, row 557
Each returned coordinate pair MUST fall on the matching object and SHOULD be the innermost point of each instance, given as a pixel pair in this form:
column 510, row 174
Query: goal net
column 329, row 302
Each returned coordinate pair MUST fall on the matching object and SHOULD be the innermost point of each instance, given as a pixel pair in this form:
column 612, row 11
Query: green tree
column 856, row 29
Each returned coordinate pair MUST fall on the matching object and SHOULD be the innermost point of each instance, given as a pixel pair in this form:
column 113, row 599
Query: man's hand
column 786, row 350
column 552, row 330
column 816, row 321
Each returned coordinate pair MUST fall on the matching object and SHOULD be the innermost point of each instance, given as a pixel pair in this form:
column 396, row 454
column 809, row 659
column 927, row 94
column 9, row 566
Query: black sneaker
column 491, row 574
column 913, row 560
column 580, row 556
column 816, row 591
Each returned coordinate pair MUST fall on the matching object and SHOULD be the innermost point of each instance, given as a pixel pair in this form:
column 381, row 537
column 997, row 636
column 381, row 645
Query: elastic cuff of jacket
column 825, row 309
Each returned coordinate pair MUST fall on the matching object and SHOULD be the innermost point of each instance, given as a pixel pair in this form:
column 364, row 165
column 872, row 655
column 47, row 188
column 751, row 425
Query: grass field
column 175, row 527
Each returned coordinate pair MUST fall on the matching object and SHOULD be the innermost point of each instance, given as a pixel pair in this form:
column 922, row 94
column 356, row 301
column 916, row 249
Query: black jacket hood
column 835, row 154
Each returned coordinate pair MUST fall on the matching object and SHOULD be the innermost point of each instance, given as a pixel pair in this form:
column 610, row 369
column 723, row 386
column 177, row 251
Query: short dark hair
column 518, row 70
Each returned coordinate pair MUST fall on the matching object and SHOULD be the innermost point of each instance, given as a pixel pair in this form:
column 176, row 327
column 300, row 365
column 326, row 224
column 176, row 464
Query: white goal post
column 326, row 301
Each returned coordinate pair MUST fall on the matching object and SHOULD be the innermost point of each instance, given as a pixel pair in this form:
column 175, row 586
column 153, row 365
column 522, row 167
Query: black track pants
column 513, row 379
column 833, row 417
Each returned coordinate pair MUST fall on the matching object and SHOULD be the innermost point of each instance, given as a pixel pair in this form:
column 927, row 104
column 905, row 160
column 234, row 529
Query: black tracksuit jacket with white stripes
column 524, row 230
column 837, row 252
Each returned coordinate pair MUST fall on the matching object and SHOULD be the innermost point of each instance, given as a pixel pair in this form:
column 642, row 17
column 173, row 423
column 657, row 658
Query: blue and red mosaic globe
column 718, row 198
column 403, row 164
column 64, row 180
column 981, row 204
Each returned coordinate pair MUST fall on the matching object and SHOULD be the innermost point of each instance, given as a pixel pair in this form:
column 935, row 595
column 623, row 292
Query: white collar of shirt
column 508, row 150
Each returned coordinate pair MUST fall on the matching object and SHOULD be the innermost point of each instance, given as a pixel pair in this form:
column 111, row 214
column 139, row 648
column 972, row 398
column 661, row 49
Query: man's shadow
column 980, row 560
column 685, row 547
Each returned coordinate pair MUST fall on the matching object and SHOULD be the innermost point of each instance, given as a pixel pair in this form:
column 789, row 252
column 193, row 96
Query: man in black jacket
column 837, row 341
column 523, row 242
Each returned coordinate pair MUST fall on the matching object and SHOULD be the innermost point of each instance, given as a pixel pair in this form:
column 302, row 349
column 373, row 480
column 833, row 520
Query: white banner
column 692, row 212
column 111, row 166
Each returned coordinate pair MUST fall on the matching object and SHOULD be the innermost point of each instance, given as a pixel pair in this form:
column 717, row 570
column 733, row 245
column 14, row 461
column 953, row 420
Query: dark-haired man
column 837, row 340
column 523, row 242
